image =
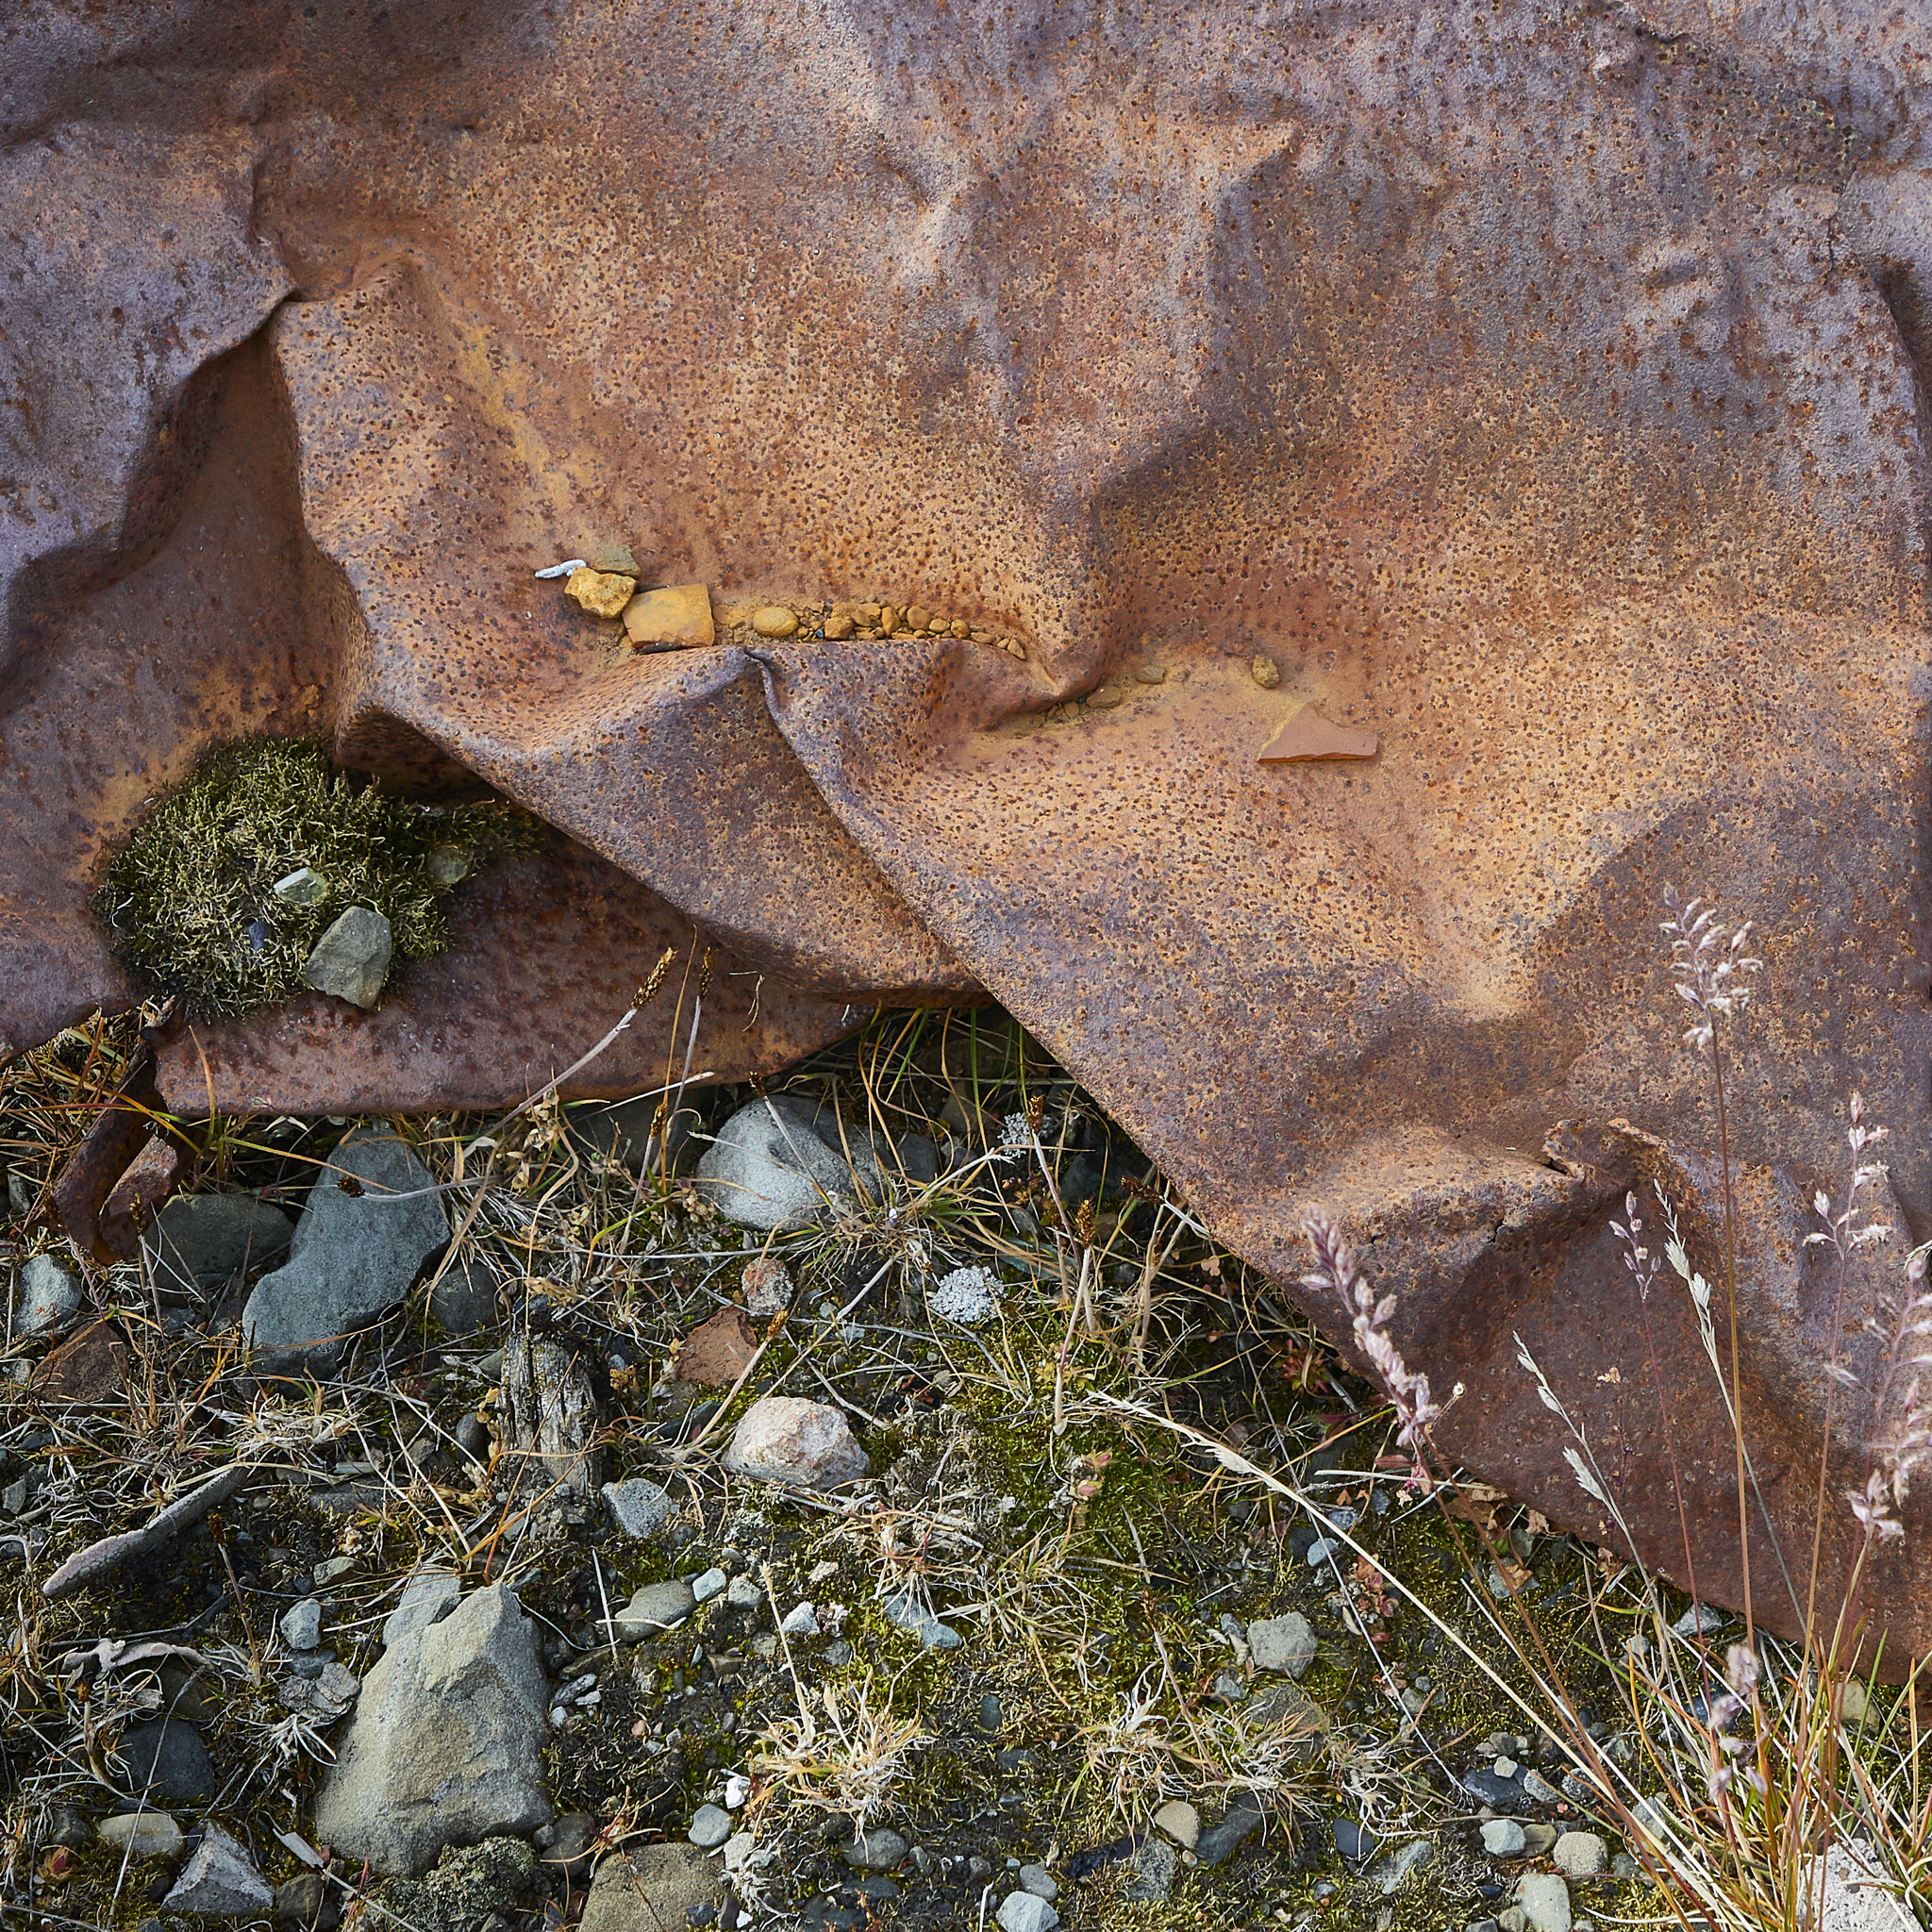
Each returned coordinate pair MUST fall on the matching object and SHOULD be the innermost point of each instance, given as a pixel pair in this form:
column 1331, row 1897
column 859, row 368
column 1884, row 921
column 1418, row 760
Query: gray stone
column 336, row 1687
column 301, row 1624
column 1544, row 1900
column 166, row 1763
column 1538, row 1839
column 142, row 1834
column 775, row 1162
column 710, row 1826
column 1036, row 1879
column 444, row 1746
column 876, row 1851
column 68, row 1825
column 427, row 1596
column 653, row 1607
column 711, row 1583
column 1282, row 1643
column 638, row 1507
column 1180, row 1822
column 1390, row 1873
column 354, row 1254
column 220, row 1880
column 1539, row 1790
column 907, row 1614
column 1025, row 1911
column 50, row 1293
column 1853, row 1894
column 449, row 865
column 1221, row 1842
column 466, row 1298
column 303, row 886
column 351, row 958
column 1151, row 1872
column 1289, row 1714
column 1700, row 1619
column 1502, row 1838
column 299, row 1900
column 787, row 1438
column 1580, row 1855
column 655, row 1888
column 203, row 1241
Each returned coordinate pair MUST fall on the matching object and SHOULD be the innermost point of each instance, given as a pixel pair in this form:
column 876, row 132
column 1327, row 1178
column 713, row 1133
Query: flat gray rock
column 1282, row 1643
column 638, row 1507
column 775, row 1162
column 787, row 1438
column 1026, row 1911
column 220, row 1880
column 655, row 1607
column 709, row 1826
column 652, row 1889
column 467, row 1298
column 166, row 1763
column 354, row 1255
column 351, row 958
column 1544, row 1899
column 301, row 1624
column 1151, row 1872
column 202, row 1241
column 443, row 1748
column 50, row 1292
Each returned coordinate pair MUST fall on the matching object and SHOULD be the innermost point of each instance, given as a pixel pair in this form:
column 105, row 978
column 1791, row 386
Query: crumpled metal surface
column 1542, row 390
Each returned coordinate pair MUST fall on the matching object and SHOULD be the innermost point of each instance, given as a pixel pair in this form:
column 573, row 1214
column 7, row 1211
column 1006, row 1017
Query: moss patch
column 189, row 903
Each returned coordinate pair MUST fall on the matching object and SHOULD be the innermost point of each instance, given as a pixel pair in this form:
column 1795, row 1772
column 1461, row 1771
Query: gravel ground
column 984, row 1545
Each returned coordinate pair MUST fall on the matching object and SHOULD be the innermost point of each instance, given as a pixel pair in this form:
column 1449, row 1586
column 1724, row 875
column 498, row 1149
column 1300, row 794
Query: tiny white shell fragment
column 563, row 569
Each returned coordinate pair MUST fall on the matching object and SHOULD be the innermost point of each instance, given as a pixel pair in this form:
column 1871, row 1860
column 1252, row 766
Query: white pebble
column 563, row 569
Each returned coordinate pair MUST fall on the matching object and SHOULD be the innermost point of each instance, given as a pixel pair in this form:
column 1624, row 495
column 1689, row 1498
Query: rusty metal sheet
column 1542, row 393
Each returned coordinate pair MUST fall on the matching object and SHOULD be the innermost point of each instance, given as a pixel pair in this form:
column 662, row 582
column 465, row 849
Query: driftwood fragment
column 104, row 1557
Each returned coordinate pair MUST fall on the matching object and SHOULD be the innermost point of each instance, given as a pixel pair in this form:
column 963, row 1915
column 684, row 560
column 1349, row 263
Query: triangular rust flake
column 1308, row 735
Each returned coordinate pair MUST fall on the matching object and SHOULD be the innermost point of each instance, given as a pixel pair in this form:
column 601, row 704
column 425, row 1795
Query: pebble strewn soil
column 840, row 1513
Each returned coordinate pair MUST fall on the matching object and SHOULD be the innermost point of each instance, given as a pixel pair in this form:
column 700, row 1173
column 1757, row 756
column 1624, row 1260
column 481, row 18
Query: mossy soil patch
column 1035, row 1488
column 190, row 900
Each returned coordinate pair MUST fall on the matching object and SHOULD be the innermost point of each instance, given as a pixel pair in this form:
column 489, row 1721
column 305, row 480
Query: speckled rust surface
column 1541, row 389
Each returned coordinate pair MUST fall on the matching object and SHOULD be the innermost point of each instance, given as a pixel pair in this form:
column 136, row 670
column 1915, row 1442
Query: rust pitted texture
column 1533, row 389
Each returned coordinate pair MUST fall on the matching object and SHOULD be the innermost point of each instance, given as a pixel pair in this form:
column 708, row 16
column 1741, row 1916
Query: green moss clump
column 189, row 903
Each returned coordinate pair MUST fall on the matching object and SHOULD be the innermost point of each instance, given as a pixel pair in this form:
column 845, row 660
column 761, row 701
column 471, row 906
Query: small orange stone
column 676, row 618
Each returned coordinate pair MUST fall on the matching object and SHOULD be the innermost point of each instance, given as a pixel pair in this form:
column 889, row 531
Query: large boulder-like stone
column 355, row 1251
column 443, row 1748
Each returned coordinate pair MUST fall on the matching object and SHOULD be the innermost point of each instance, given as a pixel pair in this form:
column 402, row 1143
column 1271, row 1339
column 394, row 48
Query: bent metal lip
column 1527, row 395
